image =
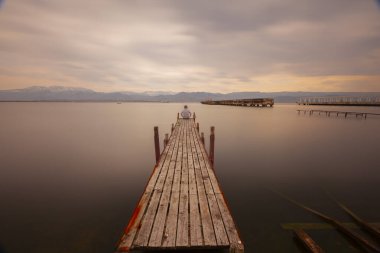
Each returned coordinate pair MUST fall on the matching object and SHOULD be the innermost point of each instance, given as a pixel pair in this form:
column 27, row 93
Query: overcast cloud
column 218, row 46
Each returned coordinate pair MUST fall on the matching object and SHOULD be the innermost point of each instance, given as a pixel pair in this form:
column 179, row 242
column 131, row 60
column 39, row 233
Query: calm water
column 71, row 173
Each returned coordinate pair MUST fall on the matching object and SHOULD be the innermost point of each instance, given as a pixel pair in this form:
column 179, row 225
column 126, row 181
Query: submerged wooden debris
column 307, row 241
column 359, row 240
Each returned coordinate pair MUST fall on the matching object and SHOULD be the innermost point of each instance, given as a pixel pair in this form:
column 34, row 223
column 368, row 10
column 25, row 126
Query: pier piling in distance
column 166, row 140
column 198, row 127
column 341, row 101
column 157, row 144
column 172, row 127
column 337, row 113
column 212, row 145
column 203, row 138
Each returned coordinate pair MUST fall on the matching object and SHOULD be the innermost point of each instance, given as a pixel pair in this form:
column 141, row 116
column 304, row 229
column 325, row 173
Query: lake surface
column 72, row 173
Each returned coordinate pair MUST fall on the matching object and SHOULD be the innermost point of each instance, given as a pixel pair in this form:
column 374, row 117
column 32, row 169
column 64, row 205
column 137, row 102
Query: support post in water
column 212, row 145
column 194, row 116
column 156, row 144
column 203, row 138
column 198, row 127
column 166, row 140
column 172, row 127
column 177, row 115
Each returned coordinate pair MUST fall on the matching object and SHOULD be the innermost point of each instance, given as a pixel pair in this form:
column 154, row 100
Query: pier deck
column 251, row 102
column 182, row 206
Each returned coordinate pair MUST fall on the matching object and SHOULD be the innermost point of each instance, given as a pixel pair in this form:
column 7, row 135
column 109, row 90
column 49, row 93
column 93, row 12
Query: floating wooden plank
column 182, row 206
column 307, row 241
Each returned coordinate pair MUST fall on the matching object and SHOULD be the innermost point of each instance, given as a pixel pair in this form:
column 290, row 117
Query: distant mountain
column 60, row 93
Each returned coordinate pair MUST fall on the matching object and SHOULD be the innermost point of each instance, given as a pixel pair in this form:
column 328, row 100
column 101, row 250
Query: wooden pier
column 182, row 207
column 340, row 101
column 338, row 113
column 252, row 102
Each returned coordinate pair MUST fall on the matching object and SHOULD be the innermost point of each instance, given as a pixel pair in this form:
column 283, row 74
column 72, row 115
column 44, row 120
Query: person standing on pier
column 186, row 114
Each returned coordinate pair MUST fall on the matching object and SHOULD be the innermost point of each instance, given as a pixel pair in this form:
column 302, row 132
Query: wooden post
column 212, row 145
column 307, row 241
column 156, row 144
column 194, row 116
column 178, row 115
column 166, row 140
column 203, row 138
column 172, row 127
column 198, row 127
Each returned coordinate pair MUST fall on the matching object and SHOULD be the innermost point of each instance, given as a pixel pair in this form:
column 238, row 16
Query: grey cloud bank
column 214, row 46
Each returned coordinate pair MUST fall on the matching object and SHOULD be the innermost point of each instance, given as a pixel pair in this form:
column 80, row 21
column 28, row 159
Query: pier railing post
column 166, row 140
column 156, row 144
column 172, row 127
column 177, row 115
column 194, row 116
column 212, row 145
column 198, row 127
column 203, row 138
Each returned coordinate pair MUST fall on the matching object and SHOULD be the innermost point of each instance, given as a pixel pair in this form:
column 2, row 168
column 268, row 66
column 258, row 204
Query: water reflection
column 71, row 173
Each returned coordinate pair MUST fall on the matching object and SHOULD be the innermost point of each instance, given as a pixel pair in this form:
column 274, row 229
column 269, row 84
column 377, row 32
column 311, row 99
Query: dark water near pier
column 71, row 173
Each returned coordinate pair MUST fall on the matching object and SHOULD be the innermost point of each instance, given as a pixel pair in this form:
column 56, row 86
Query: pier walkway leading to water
column 182, row 207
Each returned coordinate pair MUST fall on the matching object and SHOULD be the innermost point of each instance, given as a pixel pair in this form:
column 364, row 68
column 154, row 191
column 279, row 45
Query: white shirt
column 186, row 114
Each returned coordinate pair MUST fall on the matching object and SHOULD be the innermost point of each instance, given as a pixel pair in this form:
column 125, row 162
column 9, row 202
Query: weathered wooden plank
column 228, row 221
column 196, row 236
column 170, row 234
column 143, row 235
column 182, row 239
column 157, row 233
column 207, row 225
column 231, row 230
column 220, row 231
column 133, row 226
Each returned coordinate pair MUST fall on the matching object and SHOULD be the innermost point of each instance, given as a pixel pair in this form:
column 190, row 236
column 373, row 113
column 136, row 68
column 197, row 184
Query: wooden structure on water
column 365, row 244
column 340, row 101
column 337, row 113
column 307, row 241
column 182, row 207
column 251, row 102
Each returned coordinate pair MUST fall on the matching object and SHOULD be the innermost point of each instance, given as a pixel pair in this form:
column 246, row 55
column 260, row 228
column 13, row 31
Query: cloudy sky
column 181, row 45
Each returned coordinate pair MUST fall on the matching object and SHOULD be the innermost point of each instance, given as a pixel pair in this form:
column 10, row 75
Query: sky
column 181, row 45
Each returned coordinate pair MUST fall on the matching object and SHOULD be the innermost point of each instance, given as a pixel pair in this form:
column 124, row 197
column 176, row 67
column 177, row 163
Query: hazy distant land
column 60, row 93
